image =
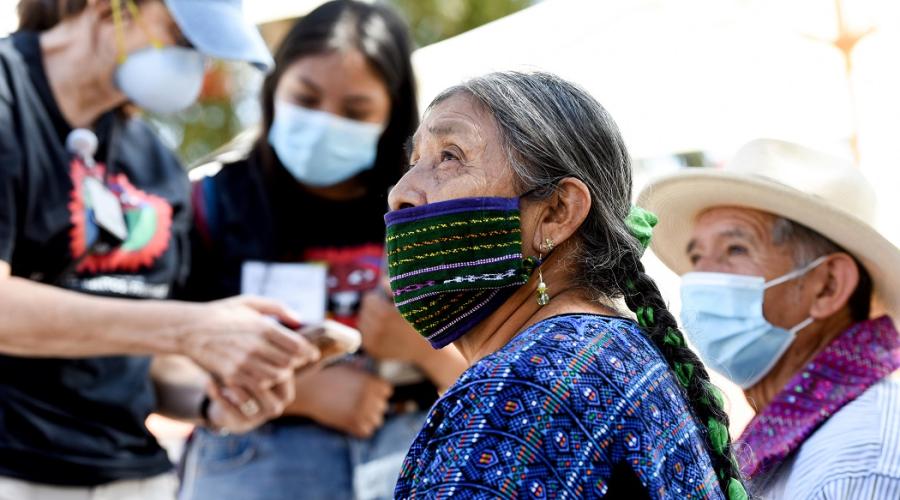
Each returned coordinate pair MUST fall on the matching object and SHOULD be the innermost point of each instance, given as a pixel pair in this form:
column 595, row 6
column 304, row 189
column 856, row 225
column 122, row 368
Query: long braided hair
column 552, row 129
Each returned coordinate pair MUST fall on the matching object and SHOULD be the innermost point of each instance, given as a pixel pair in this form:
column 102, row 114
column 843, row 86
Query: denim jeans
column 294, row 461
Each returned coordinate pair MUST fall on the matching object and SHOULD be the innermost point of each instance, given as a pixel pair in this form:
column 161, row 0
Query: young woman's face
column 339, row 82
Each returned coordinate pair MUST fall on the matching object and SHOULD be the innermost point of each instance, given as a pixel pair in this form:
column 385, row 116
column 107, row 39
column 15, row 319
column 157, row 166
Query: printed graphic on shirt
column 352, row 271
column 147, row 216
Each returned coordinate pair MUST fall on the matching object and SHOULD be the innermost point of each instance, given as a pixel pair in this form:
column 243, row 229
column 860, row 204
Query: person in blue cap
column 94, row 214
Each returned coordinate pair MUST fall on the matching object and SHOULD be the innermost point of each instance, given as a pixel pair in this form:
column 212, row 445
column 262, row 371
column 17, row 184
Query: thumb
column 273, row 308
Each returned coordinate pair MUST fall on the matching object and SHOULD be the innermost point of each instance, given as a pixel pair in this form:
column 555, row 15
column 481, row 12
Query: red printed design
column 352, row 271
column 148, row 218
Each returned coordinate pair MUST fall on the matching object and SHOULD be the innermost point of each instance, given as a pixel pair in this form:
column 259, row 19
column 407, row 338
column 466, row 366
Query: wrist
column 176, row 338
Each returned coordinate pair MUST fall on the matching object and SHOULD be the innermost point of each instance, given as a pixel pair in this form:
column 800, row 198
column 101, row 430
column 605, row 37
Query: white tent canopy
column 686, row 75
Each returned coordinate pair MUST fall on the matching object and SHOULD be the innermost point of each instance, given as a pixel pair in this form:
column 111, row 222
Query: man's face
column 739, row 241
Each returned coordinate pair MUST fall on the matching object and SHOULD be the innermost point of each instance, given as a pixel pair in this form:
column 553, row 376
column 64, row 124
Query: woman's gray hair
column 552, row 129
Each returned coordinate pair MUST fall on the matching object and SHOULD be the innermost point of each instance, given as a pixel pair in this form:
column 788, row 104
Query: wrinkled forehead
column 739, row 222
column 458, row 117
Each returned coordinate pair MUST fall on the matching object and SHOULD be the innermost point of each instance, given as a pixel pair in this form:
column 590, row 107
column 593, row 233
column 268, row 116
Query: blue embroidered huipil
column 576, row 406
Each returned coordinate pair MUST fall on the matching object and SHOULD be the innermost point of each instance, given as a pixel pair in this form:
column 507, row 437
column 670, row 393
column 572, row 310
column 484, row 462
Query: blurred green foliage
column 434, row 20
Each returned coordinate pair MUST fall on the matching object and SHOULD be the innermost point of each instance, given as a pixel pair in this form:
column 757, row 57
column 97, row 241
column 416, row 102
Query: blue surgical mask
column 723, row 317
column 321, row 149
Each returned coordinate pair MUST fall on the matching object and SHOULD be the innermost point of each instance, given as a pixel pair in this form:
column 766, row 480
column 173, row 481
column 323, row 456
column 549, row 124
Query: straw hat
column 824, row 193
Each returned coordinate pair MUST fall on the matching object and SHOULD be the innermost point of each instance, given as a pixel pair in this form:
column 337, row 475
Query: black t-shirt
column 81, row 422
column 242, row 215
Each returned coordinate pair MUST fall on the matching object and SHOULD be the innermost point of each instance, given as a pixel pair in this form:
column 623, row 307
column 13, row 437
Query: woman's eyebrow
column 311, row 84
column 445, row 128
column 357, row 99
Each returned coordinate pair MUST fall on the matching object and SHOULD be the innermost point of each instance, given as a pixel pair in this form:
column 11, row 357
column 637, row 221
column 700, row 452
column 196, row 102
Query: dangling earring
column 543, row 298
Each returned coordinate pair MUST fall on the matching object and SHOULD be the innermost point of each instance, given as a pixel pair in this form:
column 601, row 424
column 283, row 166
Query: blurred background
column 688, row 81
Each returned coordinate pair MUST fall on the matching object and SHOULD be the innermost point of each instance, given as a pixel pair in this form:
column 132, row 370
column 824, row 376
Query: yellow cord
column 136, row 14
column 120, row 27
column 120, row 30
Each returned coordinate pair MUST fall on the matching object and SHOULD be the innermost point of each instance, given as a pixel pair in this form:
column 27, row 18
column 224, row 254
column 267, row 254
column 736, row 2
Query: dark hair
column 383, row 38
column 808, row 245
column 41, row 15
column 552, row 129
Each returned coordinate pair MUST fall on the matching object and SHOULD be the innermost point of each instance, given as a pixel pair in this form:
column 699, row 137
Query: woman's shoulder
column 586, row 364
column 572, row 343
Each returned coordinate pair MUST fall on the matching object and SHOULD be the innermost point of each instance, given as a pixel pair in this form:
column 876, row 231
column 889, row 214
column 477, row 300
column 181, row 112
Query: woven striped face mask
column 453, row 263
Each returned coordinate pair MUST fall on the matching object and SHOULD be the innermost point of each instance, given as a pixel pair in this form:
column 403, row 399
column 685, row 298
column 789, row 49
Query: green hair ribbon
column 640, row 224
column 673, row 338
column 718, row 435
column 736, row 490
column 684, row 372
column 645, row 316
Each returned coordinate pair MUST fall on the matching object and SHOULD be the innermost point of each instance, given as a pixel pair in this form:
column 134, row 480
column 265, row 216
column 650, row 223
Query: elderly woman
column 784, row 284
column 512, row 236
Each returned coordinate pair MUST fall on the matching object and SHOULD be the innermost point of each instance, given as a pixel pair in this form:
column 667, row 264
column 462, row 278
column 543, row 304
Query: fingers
column 272, row 308
column 374, row 407
column 286, row 391
column 254, row 373
column 231, row 410
column 382, row 388
column 270, row 406
column 246, row 403
column 298, row 349
column 255, row 406
column 273, row 356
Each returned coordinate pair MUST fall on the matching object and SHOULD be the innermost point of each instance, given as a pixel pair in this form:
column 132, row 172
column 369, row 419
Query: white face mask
column 162, row 80
column 723, row 317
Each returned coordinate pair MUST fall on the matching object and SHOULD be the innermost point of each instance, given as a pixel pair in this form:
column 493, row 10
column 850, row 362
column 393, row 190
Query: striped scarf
column 453, row 263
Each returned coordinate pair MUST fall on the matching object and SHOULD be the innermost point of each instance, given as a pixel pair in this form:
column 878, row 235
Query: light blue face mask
column 321, row 149
column 723, row 317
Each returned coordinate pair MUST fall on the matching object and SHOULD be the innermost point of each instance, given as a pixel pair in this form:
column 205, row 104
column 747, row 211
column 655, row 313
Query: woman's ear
column 102, row 9
column 837, row 280
column 561, row 214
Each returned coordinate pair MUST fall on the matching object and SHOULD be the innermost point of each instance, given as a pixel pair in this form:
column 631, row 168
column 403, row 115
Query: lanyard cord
column 120, row 27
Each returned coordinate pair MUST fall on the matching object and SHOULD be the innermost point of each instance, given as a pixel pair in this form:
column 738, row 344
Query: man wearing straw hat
column 784, row 283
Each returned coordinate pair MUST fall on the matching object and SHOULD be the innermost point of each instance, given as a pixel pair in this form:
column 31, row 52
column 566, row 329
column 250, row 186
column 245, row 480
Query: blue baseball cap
column 219, row 29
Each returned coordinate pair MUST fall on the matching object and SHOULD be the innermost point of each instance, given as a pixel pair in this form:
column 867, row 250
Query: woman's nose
column 405, row 194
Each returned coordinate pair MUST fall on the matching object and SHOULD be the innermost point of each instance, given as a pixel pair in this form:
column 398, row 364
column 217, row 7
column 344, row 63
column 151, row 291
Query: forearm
column 43, row 321
column 442, row 366
column 306, row 384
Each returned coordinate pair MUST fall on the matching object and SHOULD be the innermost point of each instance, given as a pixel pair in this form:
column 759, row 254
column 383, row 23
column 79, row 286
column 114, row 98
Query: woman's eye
column 737, row 250
column 694, row 258
column 448, row 156
column 360, row 115
column 307, row 101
